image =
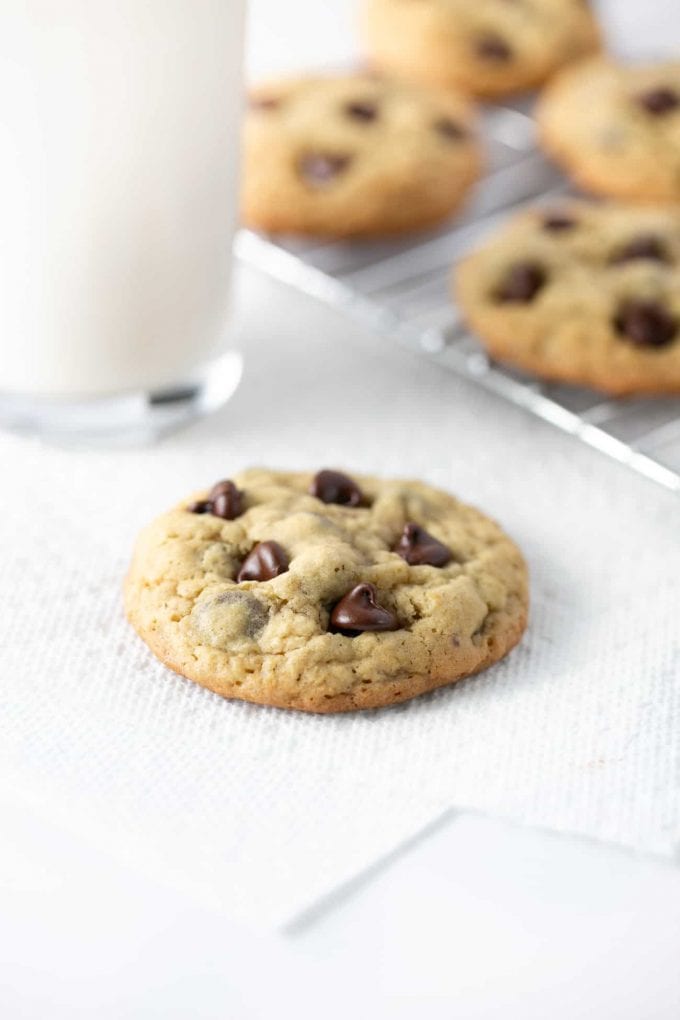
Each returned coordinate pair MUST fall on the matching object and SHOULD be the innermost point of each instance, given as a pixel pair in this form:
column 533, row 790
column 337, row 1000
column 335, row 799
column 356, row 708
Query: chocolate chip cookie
column 487, row 47
column 325, row 593
column 616, row 129
column 355, row 156
column 582, row 293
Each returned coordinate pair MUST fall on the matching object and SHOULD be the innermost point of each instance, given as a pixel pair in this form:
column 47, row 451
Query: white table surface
column 475, row 919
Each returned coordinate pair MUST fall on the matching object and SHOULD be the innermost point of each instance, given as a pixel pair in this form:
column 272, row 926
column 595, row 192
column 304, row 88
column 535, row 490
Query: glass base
column 125, row 419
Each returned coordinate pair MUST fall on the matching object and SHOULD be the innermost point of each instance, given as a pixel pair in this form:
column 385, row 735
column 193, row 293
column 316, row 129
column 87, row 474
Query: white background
column 476, row 919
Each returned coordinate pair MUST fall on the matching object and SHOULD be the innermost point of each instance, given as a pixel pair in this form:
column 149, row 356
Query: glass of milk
column 119, row 155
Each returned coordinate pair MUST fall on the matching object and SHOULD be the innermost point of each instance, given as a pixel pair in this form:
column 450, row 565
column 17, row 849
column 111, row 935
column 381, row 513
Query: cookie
column 616, row 129
column 583, row 293
column 486, row 47
column 325, row 593
column 355, row 156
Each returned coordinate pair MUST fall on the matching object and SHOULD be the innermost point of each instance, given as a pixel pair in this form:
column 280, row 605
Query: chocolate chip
column 418, row 547
column 358, row 611
column 319, row 169
column 645, row 323
column 646, row 246
column 256, row 615
column 264, row 103
column 659, row 101
column 362, row 110
column 522, row 282
column 334, row 487
column 226, row 500
column 265, row 561
column 493, row 47
column 557, row 222
column 450, row 129
column 613, row 138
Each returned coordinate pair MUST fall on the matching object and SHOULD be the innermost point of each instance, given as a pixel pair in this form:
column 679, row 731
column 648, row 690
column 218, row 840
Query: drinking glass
column 119, row 157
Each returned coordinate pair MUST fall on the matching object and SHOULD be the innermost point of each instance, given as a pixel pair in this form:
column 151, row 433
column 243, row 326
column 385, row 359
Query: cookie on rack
column 490, row 48
column 355, row 156
column 582, row 293
column 616, row 128
column 325, row 593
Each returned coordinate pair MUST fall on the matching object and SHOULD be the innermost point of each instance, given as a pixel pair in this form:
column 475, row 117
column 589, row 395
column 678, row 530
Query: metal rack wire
column 401, row 288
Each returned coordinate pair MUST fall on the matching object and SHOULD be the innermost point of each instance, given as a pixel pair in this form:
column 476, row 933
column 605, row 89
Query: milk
column 119, row 124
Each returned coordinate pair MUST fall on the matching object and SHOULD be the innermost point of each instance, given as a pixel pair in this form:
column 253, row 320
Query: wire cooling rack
column 401, row 288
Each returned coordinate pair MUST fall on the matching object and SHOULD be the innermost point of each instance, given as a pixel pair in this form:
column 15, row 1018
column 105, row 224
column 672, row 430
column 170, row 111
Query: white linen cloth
column 261, row 811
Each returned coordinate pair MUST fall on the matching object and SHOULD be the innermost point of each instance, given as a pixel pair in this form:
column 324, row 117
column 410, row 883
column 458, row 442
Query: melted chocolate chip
column 522, row 282
column 358, row 611
column 201, row 506
column 265, row 561
column 264, row 103
column 418, row 547
column 613, row 138
column 659, row 101
column 493, row 47
column 256, row 615
column 226, row 500
column 645, row 323
column 646, row 246
column 362, row 110
column 320, row 169
column 450, row 129
column 334, row 487
column 556, row 222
